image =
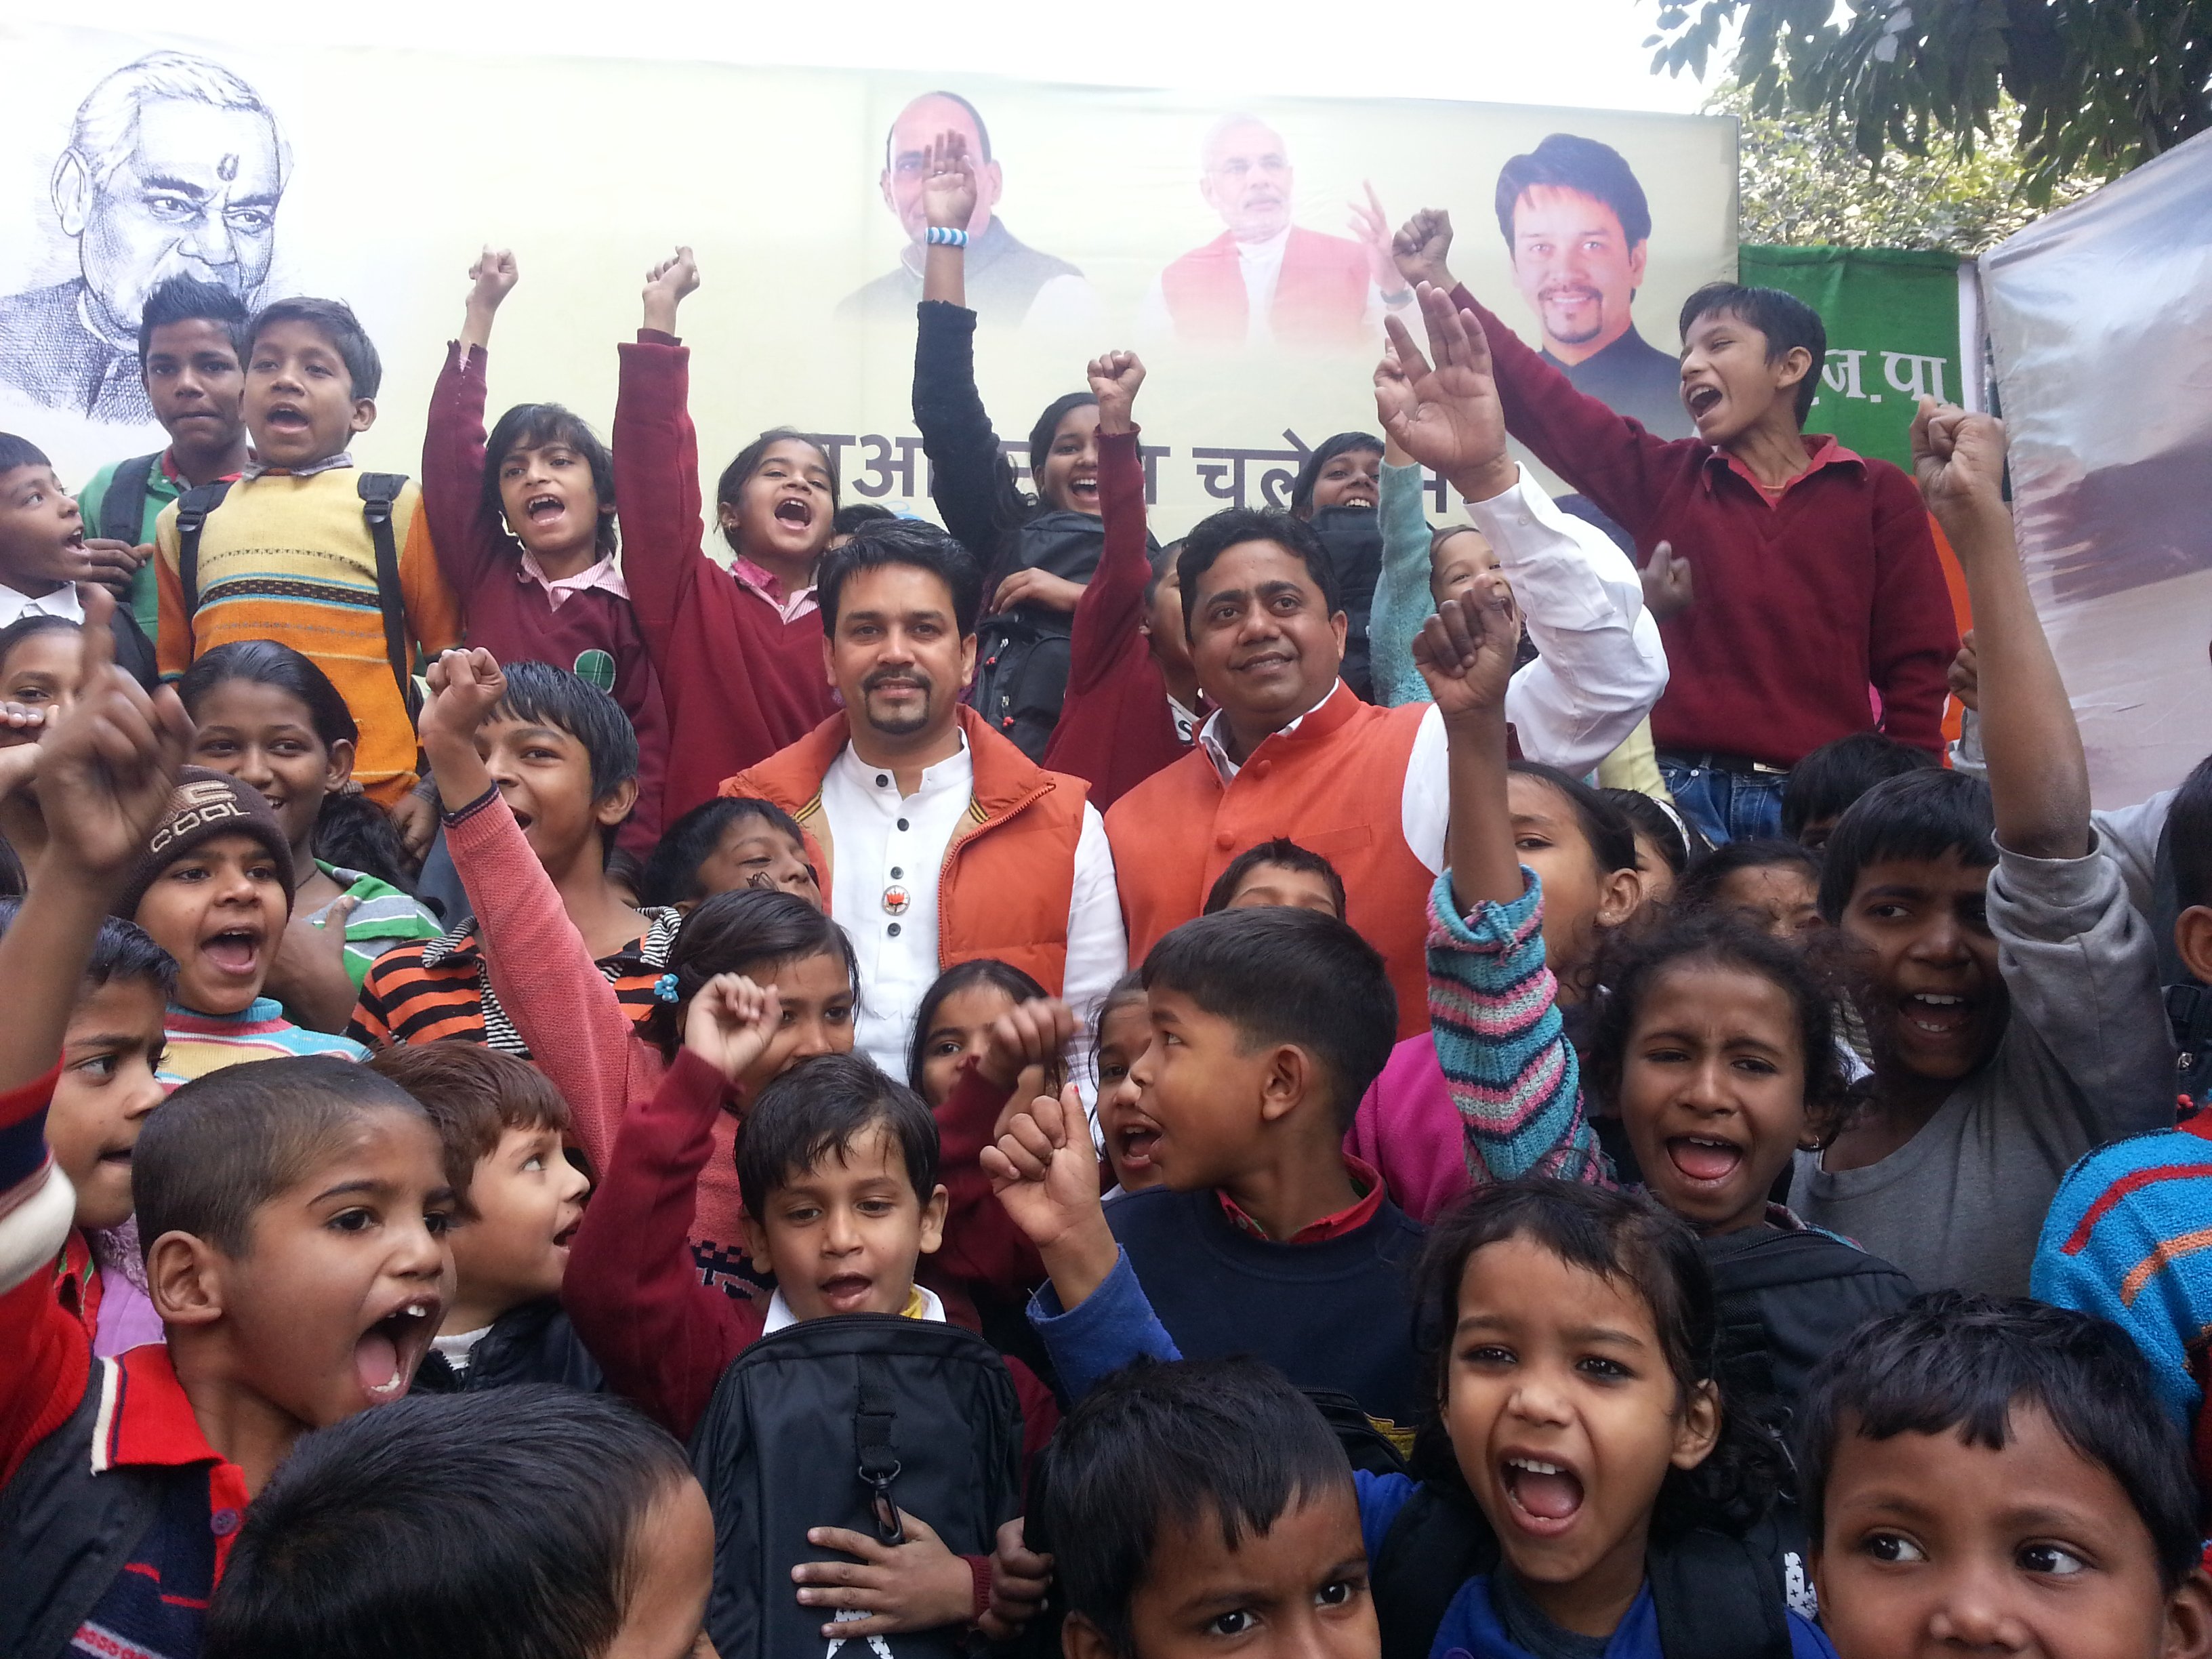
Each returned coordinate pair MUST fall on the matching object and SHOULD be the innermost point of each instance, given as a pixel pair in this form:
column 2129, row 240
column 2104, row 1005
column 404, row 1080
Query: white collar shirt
column 64, row 602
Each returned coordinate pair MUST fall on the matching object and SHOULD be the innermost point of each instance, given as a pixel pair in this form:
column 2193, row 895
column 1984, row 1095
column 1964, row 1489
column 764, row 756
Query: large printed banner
column 1236, row 247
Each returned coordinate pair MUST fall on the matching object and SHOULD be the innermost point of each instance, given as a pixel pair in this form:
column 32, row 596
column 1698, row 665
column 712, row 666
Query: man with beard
column 1578, row 227
column 175, row 168
column 937, row 841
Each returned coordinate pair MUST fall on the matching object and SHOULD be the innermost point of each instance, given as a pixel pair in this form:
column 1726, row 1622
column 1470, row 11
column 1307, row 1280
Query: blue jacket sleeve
column 1380, row 1497
column 1402, row 600
column 1114, row 1325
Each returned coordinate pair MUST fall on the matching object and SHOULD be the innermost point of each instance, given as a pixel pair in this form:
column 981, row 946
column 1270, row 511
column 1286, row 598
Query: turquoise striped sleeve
column 1506, row 1060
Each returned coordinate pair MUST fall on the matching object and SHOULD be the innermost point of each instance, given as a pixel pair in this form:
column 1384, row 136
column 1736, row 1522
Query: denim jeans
column 1725, row 806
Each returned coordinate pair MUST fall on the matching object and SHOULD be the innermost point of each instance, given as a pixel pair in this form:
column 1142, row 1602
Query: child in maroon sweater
column 528, row 542
column 739, row 651
column 1132, row 695
column 1816, row 577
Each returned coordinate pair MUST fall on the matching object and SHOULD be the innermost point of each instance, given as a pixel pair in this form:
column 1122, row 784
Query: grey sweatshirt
column 2087, row 1059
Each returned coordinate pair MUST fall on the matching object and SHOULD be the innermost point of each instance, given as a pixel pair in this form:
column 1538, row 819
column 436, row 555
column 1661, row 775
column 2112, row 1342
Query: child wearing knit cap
column 214, row 889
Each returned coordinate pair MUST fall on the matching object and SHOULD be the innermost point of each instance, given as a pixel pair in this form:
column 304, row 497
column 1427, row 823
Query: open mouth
column 385, row 1357
column 539, row 508
column 796, row 512
column 1543, row 1496
column 567, row 1236
column 1704, row 1157
column 75, row 540
column 846, row 1292
column 1134, row 1144
column 285, row 417
column 1935, row 1014
column 1085, row 488
column 896, row 688
column 1701, row 400
column 233, row 950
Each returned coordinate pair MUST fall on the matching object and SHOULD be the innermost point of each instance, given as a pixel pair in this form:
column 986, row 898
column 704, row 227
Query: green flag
column 1893, row 322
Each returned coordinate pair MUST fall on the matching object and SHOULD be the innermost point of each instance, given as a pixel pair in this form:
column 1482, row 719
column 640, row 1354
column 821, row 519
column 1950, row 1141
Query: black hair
column 29, row 626
column 188, row 299
column 1048, row 428
column 671, row 876
column 448, row 1524
column 474, row 1095
column 123, row 953
column 2188, row 832
column 755, row 930
column 1827, row 781
column 1649, row 818
column 1302, row 488
column 1284, row 976
column 1162, row 561
column 1917, row 816
column 227, row 1142
column 1786, row 321
column 1565, row 161
column 335, row 322
column 1281, row 851
column 1700, row 888
column 1612, row 838
column 851, row 516
column 1130, row 988
column 822, row 1106
column 351, row 831
column 540, row 425
column 16, row 452
column 747, row 461
column 902, row 542
column 13, row 880
column 1630, row 1242
column 982, row 132
column 1156, row 1448
column 1209, row 537
column 962, row 976
column 539, row 694
column 1633, row 963
column 1953, row 1360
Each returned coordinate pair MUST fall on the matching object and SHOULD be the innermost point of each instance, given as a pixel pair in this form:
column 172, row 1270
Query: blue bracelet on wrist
column 945, row 236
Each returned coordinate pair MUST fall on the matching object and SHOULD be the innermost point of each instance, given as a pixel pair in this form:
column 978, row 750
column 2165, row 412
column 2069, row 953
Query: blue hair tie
column 664, row 989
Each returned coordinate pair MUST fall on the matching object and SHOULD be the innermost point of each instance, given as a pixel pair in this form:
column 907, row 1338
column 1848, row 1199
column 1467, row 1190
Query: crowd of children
column 564, row 1095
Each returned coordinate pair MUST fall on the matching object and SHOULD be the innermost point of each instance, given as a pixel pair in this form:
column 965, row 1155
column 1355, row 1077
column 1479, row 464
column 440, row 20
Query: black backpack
column 122, row 505
column 835, row 1423
column 1717, row 1597
column 378, row 492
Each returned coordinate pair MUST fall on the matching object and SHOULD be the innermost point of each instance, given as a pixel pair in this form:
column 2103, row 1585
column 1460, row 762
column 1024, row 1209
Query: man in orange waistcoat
column 1290, row 751
column 936, row 840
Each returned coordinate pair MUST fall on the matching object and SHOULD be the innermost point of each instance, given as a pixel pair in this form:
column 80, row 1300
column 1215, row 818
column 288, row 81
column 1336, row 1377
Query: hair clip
column 664, row 989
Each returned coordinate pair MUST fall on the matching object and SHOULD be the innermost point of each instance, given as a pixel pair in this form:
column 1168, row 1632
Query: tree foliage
column 2101, row 86
column 1803, row 183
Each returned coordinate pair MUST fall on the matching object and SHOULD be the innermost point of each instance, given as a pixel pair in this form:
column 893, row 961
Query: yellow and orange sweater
column 289, row 558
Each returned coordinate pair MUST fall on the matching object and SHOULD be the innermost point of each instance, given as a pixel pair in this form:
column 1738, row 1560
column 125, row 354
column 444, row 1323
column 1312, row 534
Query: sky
column 1580, row 53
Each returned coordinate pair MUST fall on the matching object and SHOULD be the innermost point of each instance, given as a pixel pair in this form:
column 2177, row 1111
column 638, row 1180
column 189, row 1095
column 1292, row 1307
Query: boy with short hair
column 517, row 1202
column 191, row 359
column 1180, row 1497
column 214, row 889
column 1990, row 1472
column 123, row 1483
column 1816, row 575
column 454, row 1528
column 1821, row 787
column 44, row 554
column 2015, row 1010
column 297, row 553
column 529, row 823
column 1279, row 872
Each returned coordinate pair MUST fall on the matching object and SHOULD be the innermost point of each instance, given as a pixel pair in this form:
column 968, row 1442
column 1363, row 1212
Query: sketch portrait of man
column 175, row 166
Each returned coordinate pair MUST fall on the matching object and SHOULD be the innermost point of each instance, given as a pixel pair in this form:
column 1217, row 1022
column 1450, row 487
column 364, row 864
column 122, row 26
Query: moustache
column 883, row 676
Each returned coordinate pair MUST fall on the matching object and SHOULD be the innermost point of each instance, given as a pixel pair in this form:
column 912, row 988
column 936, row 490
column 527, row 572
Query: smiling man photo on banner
column 1265, row 279
column 1010, row 284
column 175, row 167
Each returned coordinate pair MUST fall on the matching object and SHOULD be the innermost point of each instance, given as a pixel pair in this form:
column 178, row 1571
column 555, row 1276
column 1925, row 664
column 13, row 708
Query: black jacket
column 533, row 1343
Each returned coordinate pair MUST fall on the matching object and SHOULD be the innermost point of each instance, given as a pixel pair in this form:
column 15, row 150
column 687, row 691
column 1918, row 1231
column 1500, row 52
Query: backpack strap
column 378, row 492
column 192, row 509
column 875, row 1422
column 1434, row 1544
column 1717, row 1597
column 122, row 508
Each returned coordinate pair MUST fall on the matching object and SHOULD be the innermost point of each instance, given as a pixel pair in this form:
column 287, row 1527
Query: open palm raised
column 1445, row 414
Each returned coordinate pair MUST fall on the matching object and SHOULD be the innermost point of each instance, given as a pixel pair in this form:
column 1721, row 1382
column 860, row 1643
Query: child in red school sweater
column 1133, row 700
column 524, row 523
column 739, row 651
column 1816, row 576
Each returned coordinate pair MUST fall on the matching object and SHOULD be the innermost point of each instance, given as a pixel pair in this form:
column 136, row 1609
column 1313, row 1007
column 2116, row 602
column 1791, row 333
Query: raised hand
column 1959, row 460
column 1045, row 1171
column 1419, row 249
column 666, row 285
column 1964, row 677
column 465, row 686
column 1447, row 417
column 1370, row 229
column 731, row 1023
column 1466, row 651
column 948, row 192
column 1669, row 589
column 1114, row 378
column 1031, row 1033
column 492, row 278
column 105, row 771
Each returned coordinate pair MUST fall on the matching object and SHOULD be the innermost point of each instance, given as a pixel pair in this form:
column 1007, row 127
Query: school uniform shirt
column 198, row 1044
column 885, row 877
column 63, row 602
